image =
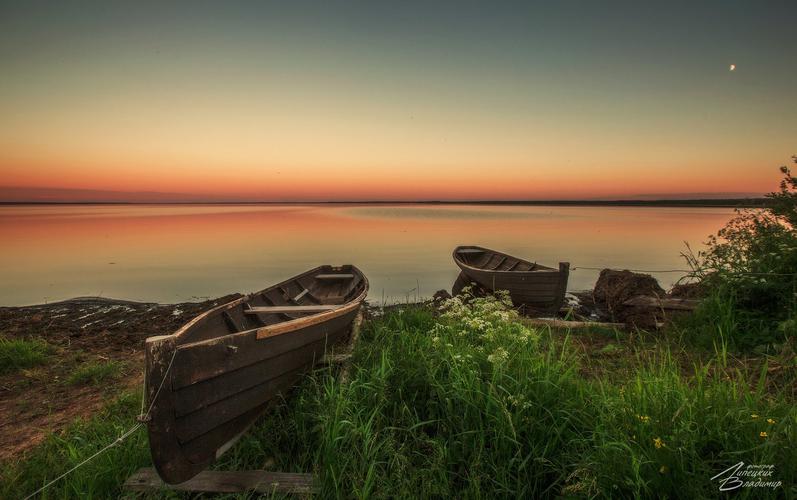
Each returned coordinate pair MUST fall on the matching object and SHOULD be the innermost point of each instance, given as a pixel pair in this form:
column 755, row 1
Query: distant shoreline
column 706, row 203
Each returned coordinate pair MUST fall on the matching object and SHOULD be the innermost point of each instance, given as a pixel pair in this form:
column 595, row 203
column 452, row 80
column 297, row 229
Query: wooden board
column 212, row 481
column 560, row 323
column 662, row 303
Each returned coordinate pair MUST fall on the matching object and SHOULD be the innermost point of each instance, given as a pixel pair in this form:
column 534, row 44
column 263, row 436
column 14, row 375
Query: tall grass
column 100, row 478
column 473, row 404
column 470, row 403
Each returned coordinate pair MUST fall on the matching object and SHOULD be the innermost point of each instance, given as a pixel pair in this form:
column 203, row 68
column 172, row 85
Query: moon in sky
column 733, row 67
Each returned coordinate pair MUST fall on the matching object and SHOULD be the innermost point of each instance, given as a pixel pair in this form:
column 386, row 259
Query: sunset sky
column 306, row 101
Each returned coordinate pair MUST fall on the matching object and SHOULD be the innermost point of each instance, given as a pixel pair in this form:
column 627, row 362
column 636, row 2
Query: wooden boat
column 535, row 287
column 208, row 382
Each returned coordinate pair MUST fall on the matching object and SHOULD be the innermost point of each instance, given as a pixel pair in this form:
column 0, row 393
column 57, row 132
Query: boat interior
column 323, row 289
column 495, row 261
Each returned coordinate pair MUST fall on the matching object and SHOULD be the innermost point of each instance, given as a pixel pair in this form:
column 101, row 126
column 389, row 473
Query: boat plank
column 215, row 415
column 289, row 309
column 196, row 396
column 196, row 362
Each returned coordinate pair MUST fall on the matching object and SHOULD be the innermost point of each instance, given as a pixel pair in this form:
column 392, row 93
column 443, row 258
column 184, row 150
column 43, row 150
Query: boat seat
column 470, row 250
column 289, row 309
column 500, row 263
column 334, row 276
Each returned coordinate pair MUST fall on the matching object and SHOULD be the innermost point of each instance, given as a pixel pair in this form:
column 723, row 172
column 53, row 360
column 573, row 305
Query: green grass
column 18, row 354
column 474, row 404
column 94, row 373
column 99, row 478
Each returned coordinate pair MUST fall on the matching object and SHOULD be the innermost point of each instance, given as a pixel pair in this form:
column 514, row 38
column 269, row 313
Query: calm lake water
column 168, row 253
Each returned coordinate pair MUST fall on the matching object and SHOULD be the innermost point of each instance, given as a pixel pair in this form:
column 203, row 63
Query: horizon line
column 707, row 202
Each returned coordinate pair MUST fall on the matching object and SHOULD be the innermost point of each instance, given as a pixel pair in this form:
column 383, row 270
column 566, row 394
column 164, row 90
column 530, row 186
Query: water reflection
column 174, row 253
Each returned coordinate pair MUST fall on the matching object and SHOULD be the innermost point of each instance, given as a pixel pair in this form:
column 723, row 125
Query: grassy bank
column 471, row 402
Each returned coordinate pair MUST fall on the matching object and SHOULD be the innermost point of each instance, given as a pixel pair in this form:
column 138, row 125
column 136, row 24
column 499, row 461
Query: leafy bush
column 749, row 271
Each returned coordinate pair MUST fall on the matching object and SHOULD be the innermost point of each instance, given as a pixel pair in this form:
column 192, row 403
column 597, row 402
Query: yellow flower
column 643, row 418
column 763, row 434
column 770, row 420
column 753, row 415
column 664, row 469
column 659, row 443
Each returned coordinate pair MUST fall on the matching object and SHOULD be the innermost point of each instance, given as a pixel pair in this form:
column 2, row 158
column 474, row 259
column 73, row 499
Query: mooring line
column 145, row 417
column 676, row 271
column 634, row 270
column 142, row 417
column 84, row 462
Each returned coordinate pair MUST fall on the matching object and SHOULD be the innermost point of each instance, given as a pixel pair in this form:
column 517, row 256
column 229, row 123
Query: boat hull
column 205, row 393
column 537, row 289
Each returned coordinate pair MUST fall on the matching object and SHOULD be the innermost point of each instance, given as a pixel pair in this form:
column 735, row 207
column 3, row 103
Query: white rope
column 145, row 417
column 142, row 418
column 676, row 271
column 635, row 270
column 111, row 445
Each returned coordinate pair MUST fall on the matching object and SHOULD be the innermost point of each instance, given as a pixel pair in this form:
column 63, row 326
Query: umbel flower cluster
column 487, row 326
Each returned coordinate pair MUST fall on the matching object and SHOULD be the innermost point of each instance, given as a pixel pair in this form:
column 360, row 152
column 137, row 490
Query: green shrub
column 17, row 354
column 750, row 272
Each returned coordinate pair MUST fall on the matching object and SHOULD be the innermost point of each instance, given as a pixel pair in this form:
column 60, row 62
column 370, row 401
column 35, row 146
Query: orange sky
column 265, row 105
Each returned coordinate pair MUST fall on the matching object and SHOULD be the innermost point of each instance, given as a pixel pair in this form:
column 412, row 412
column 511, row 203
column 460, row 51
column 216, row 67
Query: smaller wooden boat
column 208, row 382
column 537, row 288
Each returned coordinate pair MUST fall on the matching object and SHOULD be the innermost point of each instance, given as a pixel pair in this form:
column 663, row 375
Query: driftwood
column 334, row 359
column 662, row 303
column 560, row 323
column 212, row 481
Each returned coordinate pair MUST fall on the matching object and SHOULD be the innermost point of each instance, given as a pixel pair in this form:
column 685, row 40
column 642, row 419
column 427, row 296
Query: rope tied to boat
column 141, row 418
column 687, row 271
column 145, row 417
column 633, row 270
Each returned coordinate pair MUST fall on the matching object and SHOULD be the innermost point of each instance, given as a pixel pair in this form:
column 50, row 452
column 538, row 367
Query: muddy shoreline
column 85, row 331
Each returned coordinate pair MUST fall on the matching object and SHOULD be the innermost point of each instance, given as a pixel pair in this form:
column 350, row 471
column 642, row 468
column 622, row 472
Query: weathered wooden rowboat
column 209, row 381
column 535, row 287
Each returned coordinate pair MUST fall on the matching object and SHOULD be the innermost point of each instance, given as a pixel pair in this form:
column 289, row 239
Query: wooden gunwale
column 289, row 326
column 540, row 269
